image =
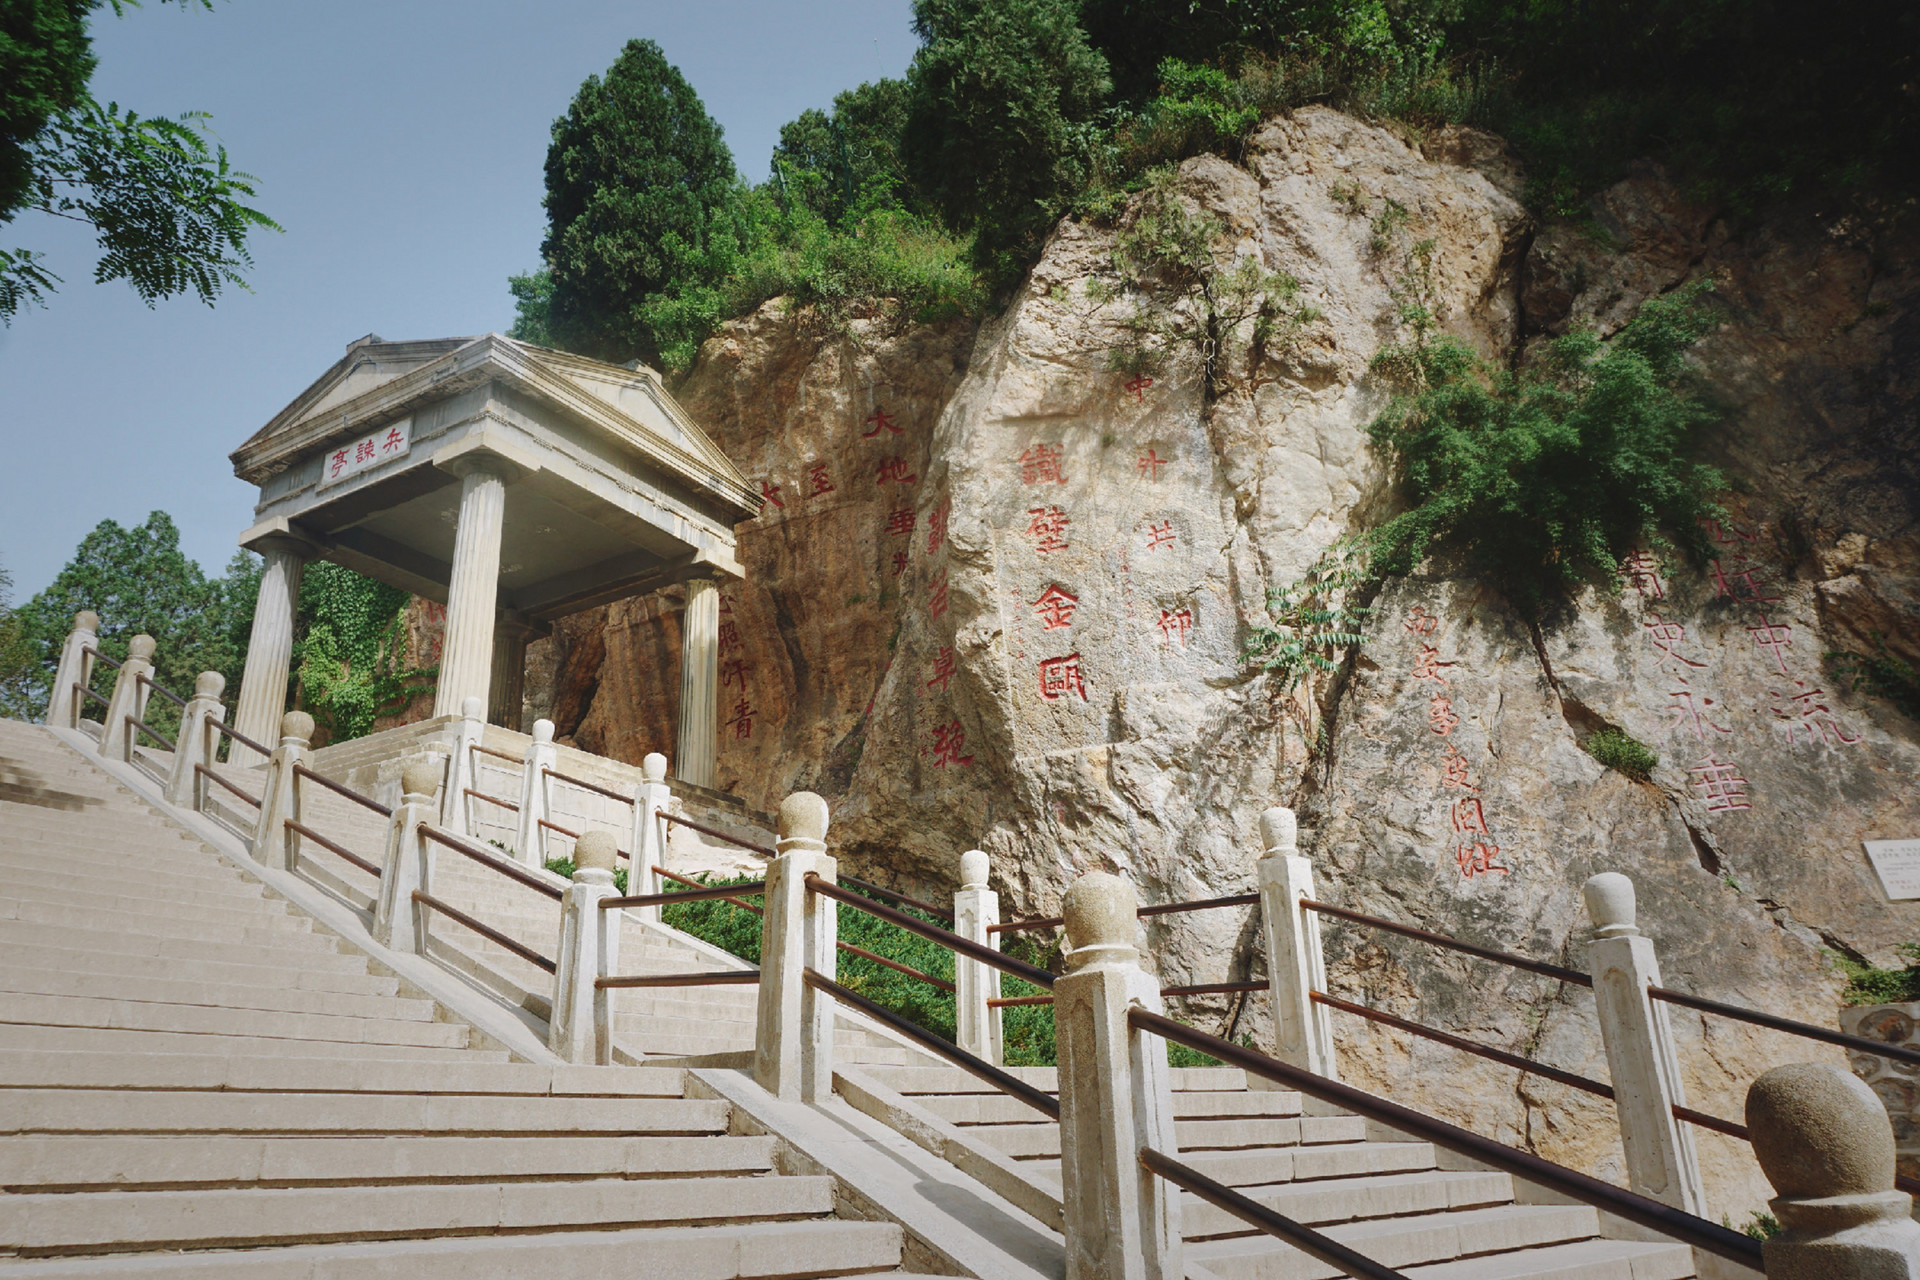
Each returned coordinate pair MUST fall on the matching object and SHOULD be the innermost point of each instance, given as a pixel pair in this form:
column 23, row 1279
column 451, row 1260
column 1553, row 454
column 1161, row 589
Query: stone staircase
column 1404, row 1204
column 198, row 1080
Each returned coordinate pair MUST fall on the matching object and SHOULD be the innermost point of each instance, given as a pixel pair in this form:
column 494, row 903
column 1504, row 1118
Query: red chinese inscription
column 1060, row 677
column 1440, row 715
column 1160, row 535
column 1741, row 581
column 1686, row 713
column 949, row 740
column 901, row 523
column 363, row 452
column 1776, row 637
column 734, row 672
column 817, row 477
column 1041, row 465
column 771, row 492
column 937, row 526
column 1641, row 571
column 742, row 719
column 1138, row 386
column 1421, row 623
column 880, row 420
column 1048, row 527
column 1803, row 712
column 1055, row 608
column 729, row 636
column 937, row 601
column 894, row 470
column 1456, row 775
column 1667, row 637
column 1427, row 665
column 1720, row 785
column 899, row 563
column 942, row 668
column 1175, row 626
column 1150, row 464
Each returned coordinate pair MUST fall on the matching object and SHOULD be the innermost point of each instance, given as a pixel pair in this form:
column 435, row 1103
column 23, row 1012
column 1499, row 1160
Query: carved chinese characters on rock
column 1055, row 608
column 1150, row 464
column 880, row 421
column 900, row 524
column 937, row 597
column 1160, row 535
column 1047, row 526
column 817, row 479
column 894, row 471
column 1803, row 710
column 1061, row 678
column 771, row 492
column 1476, row 851
column 942, row 669
column 1175, row 625
column 1138, row 387
column 734, row 673
column 1042, row 465
column 949, row 741
column 937, row 526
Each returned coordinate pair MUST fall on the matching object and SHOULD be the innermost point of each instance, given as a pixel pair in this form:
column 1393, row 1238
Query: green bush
column 1617, row 749
column 350, row 654
column 564, row 867
column 1867, row 984
column 1880, row 673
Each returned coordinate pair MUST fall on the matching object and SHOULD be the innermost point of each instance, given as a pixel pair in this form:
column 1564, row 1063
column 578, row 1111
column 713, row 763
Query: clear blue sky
column 401, row 145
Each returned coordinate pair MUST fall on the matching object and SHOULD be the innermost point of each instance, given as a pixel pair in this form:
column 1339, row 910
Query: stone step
column 1394, row 1242
column 648, row 1024
column 254, row 912
column 1000, row 1108
column 240, row 1073
column 641, row 1043
column 65, row 1011
column 1041, row 1137
column 1587, row 1260
column 195, row 868
column 287, row 932
column 94, row 986
column 950, row 1080
column 109, row 964
column 166, row 949
column 205, row 1218
column 747, row 1251
column 116, row 1040
column 121, row 1162
column 192, row 1111
column 1311, row 1164
column 1380, row 1196
column 152, row 887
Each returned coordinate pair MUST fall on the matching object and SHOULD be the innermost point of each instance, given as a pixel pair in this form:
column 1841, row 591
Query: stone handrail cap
column 1279, row 832
column 974, row 869
column 86, row 620
column 654, row 767
column 543, row 731
column 595, row 850
column 209, row 684
column 420, row 776
column 803, row 816
column 141, row 646
column 1819, row 1131
column 474, row 708
column 1099, row 912
column 1610, row 904
column 298, row 725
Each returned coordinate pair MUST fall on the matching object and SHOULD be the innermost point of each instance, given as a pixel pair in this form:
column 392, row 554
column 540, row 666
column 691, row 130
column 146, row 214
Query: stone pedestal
column 263, row 685
column 403, row 868
column 76, row 666
column 793, row 1040
column 699, row 684
column 580, row 1029
column 1303, row 1031
column 976, row 908
column 129, row 700
column 466, row 660
column 197, row 744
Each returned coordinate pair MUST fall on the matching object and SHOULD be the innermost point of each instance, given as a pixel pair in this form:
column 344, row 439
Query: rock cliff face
column 1000, row 593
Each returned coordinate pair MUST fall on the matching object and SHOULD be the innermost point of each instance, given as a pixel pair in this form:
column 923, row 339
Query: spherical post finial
column 543, row 731
column 296, row 727
column 1610, row 905
column 974, row 869
column 209, row 685
column 595, row 850
column 419, row 777
column 1099, row 910
column 86, row 620
column 1819, row 1132
column 1279, row 833
column 142, row 647
column 654, row 767
column 474, row 708
column 803, row 822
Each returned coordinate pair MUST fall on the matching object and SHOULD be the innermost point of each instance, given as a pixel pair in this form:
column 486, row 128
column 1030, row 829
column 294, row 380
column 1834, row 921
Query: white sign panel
column 345, row 461
column 1898, row 864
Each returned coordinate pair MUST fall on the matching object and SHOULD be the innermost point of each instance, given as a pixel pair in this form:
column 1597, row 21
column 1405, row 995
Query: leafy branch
column 1315, row 617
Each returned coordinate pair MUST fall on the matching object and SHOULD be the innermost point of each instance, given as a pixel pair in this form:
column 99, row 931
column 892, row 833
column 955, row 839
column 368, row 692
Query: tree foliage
column 350, row 654
column 169, row 207
column 17, row 656
column 850, row 160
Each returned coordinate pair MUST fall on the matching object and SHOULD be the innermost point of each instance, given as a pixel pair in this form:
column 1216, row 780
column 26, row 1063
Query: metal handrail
column 1017, row 1002
column 868, row 887
column 717, row 834
column 164, row 692
column 358, row 861
column 487, row 931
column 498, row 755
column 1000, row 1078
column 1218, row 1194
column 506, row 869
column 1858, row 1044
column 202, row 769
column 1441, row 940
column 1501, row 1056
column 98, row 656
column 688, row 880
column 584, row 785
column 1665, row 1219
column 719, row 978
column 1165, row 908
column 1016, row 926
column 139, row 726
column 952, row 941
column 684, row 895
column 238, row 736
column 481, row 795
column 97, row 697
column 896, row 966
column 301, row 771
column 1214, row 989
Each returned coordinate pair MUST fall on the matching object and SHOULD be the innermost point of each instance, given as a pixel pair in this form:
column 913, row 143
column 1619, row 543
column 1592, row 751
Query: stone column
column 263, row 684
column 117, row 737
column 1303, row 1031
column 196, row 745
column 699, row 684
column 402, row 869
column 271, row 839
column 975, row 907
column 793, row 1040
column 581, row 1028
column 1116, row 1096
column 468, row 732
column 1824, row 1141
column 466, row 660
column 1640, row 1059
column 509, row 680
column 64, row 706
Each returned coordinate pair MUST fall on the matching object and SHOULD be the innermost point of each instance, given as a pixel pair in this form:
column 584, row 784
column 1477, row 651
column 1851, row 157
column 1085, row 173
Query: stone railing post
column 129, row 698
column 196, row 745
column 541, row 756
column 403, row 866
column 271, row 839
column 1303, row 1030
column 581, row 1027
column 1640, row 1059
column 793, row 1041
column 1116, row 1096
column 975, row 907
column 64, row 706
column 1824, row 1141
column 649, row 843
column 461, row 772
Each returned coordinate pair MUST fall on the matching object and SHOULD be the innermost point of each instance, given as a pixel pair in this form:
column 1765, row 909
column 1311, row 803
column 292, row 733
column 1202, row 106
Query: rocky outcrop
column 1001, row 591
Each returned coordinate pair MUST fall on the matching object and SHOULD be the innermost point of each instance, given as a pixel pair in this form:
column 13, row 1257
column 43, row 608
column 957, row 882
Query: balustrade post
column 196, row 745
column 1116, row 1096
column 403, row 865
column 581, row 1026
column 793, row 1038
column 541, row 756
column 1639, row 1040
column 279, row 800
column 1303, row 1029
column 1824, row 1141
column 65, row 706
column 468, row 732
column 129, row 698
column 649, row 844
column 975, row 907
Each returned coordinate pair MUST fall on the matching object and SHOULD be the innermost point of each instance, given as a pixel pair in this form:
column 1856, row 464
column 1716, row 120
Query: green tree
column 16, row 657
column 166, row 203
column 1002, row 127
column 849, row 160
column 350, row 654
column 639, row 186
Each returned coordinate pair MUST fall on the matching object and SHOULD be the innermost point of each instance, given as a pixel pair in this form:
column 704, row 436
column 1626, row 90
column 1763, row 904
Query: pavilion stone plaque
column 377, row 448
column 1898, row 864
